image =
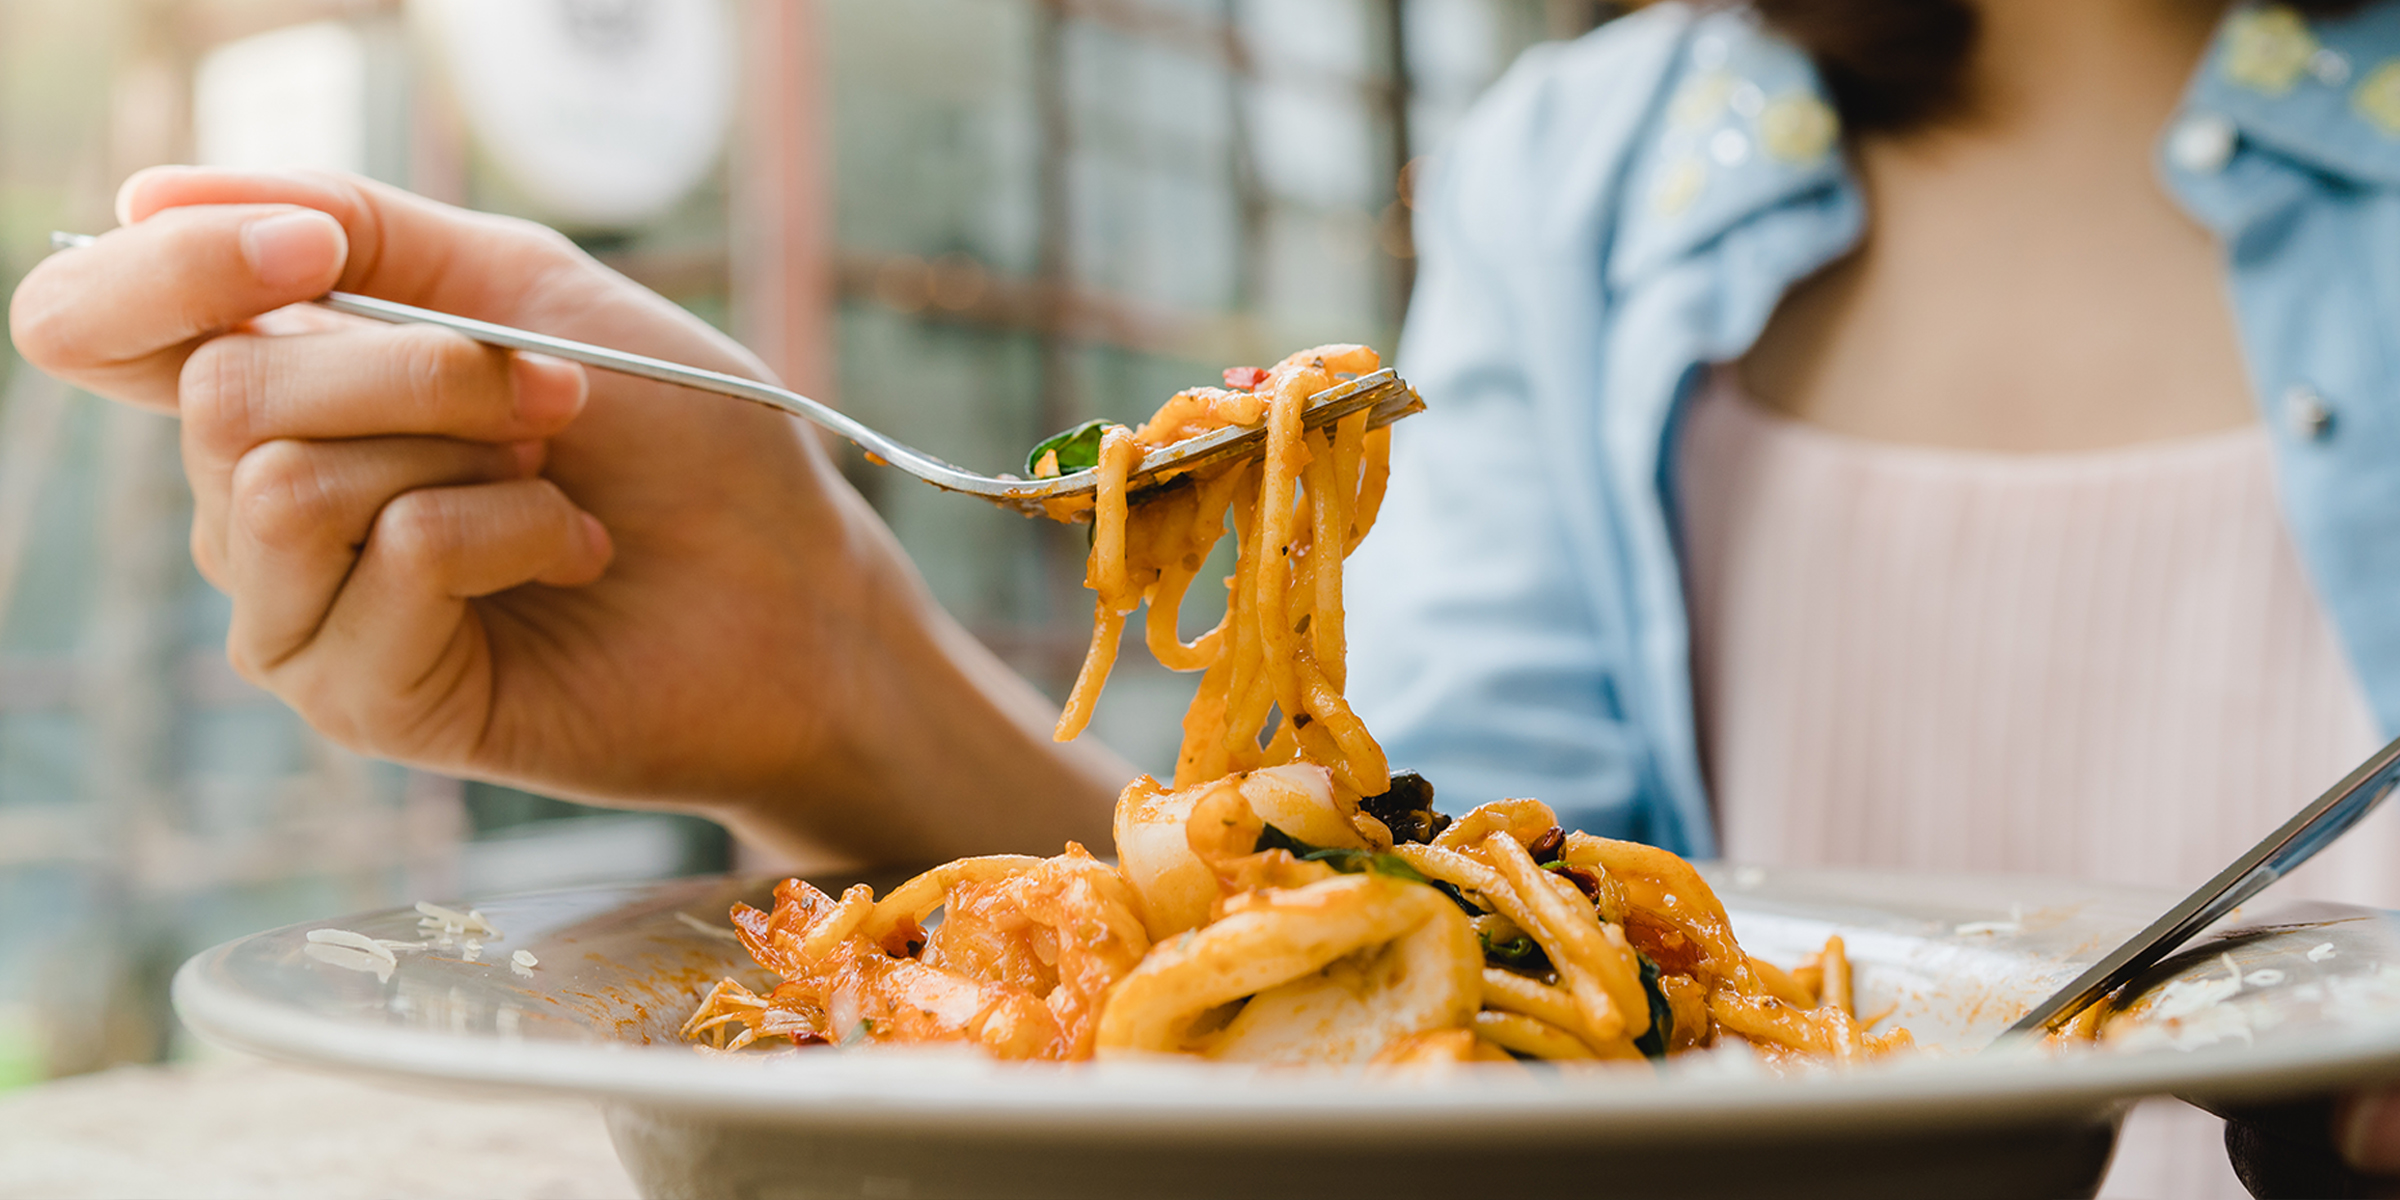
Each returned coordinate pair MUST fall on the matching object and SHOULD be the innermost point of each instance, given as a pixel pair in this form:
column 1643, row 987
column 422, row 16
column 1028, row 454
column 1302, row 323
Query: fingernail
column 595, row 535
column 2371, row 1134
column 129, row 193
column 549, row 390
column 290, row 249
column 125, row 190
column 529, row 457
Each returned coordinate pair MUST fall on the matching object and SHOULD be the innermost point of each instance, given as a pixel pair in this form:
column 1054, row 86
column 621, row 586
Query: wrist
column 930, row 746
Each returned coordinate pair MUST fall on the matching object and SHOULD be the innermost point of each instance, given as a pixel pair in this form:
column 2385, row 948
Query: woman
column 1672, row 359
column 1904, row 499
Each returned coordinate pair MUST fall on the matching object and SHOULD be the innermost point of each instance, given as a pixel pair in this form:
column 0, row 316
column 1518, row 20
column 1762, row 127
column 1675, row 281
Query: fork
column 1383, row 395
column 2296, row 841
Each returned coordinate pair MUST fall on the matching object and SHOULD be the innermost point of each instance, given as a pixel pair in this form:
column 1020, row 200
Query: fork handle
column 900, row 454
column 908, row 458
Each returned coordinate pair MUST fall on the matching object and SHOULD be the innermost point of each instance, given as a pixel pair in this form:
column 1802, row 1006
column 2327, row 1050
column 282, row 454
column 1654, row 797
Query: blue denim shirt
column 1623, row 210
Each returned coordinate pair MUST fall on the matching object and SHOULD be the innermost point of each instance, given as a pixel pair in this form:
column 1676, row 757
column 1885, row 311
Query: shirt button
column 2329, row 67
column 1728, row 147
column 2201, row 143
column 2307, row 413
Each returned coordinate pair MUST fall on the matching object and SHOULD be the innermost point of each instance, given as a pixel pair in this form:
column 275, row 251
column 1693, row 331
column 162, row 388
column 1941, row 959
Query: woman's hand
column 494, row 565
column 2344, row 1146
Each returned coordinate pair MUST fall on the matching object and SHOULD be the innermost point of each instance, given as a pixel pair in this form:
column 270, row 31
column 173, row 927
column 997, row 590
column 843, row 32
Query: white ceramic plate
column 2309, row 1004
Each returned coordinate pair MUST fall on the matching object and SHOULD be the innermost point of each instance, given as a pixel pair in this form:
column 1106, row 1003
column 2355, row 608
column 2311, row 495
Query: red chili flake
column 1245, row 378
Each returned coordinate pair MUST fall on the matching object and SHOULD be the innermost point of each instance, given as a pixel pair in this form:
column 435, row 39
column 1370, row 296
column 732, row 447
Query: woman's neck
column 2025, row 284
column 2078, row 70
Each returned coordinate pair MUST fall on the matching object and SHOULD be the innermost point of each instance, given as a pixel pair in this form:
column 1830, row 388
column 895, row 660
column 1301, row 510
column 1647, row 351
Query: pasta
column 1298, row 512
column 1286, row 897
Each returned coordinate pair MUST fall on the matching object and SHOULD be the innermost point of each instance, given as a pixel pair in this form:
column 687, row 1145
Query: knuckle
column 549, row 261
column 543, row 496
column 324, row 179
column 537, row 236
column 64, row 312
column 419, row 533
column 239, row 656
column 318, row 695
column 221, row 392
column 204, row 555
column 552, row 242
column 282, row 495
column 41, row 326
column 432, row 364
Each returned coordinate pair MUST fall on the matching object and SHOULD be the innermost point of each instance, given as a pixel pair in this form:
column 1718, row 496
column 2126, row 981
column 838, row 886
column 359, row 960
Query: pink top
column 2103, row 664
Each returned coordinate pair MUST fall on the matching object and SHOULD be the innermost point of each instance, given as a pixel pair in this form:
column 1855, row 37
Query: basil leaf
column 1355, row 862
column 1271, row 838
column 1078, row 449
column 1662, row 1017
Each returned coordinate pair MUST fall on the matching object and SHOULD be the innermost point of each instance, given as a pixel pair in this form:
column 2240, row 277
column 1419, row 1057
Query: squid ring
column 1276, row 938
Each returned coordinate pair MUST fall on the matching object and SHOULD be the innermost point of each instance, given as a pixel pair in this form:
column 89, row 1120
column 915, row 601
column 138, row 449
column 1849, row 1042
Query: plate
column 2297, row 1000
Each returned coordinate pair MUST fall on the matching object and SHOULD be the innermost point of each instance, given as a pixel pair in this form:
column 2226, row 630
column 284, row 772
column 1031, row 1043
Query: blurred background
column 971, row 222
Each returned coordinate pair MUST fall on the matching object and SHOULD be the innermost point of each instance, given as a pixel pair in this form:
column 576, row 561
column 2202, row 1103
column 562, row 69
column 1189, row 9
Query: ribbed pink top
column 2105, row 665
column 2101, row 664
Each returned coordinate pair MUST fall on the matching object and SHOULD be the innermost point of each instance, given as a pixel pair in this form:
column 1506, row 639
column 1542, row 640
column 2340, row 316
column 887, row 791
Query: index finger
column 402, row 246
column 121, row 315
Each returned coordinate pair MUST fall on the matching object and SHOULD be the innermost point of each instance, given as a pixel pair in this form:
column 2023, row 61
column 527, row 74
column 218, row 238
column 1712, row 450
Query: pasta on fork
column 1286, row 898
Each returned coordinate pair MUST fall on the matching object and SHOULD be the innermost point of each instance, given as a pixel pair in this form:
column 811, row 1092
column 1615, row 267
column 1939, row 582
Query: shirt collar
column 1745, row 124
column 2324, row 92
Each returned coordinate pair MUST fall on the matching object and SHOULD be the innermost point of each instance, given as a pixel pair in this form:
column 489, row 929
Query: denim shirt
column 1624, row 210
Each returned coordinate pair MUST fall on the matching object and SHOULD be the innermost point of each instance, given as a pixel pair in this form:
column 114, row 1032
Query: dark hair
column 1898, row 64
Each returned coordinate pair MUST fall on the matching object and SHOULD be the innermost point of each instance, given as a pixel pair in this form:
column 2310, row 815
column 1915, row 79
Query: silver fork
column 1383, row 395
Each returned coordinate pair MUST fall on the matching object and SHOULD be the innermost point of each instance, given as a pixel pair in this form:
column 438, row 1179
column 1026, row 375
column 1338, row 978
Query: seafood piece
column 1177, row 890
column 1182, row 865
column 1298, row 798
column 1425, row 979
column 1273, row 938
column 1026, row 952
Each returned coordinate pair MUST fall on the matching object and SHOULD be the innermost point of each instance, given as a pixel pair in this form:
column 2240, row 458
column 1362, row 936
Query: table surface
column 244, row 1128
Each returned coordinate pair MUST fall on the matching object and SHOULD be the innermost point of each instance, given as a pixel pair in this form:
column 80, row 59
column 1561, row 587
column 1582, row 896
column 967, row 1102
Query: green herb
column 1078, row 449
column 1520, row 953
column 1357, row 862
column 1662, row 1018
column 1271, row 838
